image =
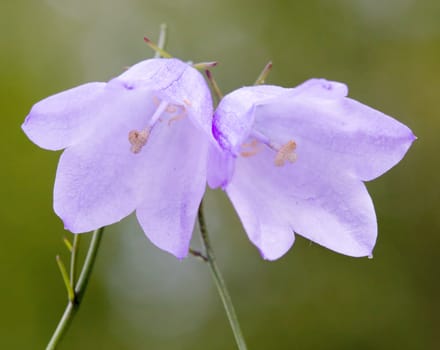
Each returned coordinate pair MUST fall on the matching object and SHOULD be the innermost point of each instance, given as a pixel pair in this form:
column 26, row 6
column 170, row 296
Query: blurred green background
column 387, row 51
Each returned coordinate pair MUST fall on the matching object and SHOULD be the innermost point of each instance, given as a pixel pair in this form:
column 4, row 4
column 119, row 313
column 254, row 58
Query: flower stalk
column 75, row 291
column 219, row 282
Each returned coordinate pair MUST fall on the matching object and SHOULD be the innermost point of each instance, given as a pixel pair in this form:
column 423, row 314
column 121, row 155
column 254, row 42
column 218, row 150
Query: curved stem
column 64, row 323
column 220, row 283
column 79, row 290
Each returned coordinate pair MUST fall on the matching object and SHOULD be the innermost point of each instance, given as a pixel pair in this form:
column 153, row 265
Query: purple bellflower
column 137, row 143
column 294, row 161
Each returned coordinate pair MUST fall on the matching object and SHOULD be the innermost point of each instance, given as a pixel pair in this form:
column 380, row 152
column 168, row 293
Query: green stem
column 220, row 283
column 70, row 292
column 89, row 262
column 74, row 259
column 79, row 290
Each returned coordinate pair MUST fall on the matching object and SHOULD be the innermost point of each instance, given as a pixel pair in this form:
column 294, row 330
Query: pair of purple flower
column 292, row 160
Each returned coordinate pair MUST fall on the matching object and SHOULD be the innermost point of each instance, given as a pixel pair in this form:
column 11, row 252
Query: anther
column 171, row 109
column 286, row 153
column 250, row 149
column 177, row 117
column 138, row 139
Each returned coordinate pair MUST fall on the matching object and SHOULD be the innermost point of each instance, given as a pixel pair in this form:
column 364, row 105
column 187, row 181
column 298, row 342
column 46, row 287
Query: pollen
column 286, row 153
column 138, row 139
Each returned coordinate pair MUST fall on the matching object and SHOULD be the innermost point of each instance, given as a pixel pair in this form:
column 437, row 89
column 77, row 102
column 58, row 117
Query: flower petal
column 99, row 180
column 198, row 101
column 234, row 117
column 329, row 208
column 359, row 139
column 175, row 184
column 62, row 119
column 220, row 167
column 158, row 74
column 174, row 81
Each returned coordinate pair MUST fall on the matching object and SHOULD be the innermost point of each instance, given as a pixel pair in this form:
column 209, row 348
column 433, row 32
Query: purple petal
column 157, row 74
column 220, row 167
column 100, row 181
column 323, row 205
column 319, row 88
column 176, row 82
column 65, row 118
column 174, row 186
column 353, row 136
column 234, row 116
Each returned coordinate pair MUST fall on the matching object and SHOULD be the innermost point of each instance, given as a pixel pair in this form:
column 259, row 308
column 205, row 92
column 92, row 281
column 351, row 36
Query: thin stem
column 264, row 73
column 220, row 283
column 162, row 42
column 198, row 255
column 64, row 323
column 89, row 262
column 78, row 290
column 157, row 49
column 68, row 244
column 214, row 85
column 73, row 259
column 70, row 292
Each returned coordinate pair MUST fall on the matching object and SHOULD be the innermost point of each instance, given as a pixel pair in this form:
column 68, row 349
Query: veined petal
column 65, row 118
column 175, row 81
column 355, row 137
column 174, row 185
column 99, row 180
column 329, row 208
column 156, row 73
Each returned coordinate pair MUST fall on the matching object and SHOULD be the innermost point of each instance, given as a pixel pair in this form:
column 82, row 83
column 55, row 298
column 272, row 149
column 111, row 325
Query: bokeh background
column 387, row 51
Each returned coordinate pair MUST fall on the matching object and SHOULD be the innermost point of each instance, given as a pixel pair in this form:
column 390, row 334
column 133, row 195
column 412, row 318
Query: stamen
column 250, row 149
column 162, row 108
column 171, row 109
column 177, row 117
column 286, row 153
column 138, row 139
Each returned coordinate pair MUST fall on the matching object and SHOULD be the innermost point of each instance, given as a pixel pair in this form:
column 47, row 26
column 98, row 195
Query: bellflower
column 294, row 161
column 137, row 143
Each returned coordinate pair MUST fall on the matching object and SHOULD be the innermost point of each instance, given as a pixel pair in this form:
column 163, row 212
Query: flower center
column 139, row 138
column 284, row 153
